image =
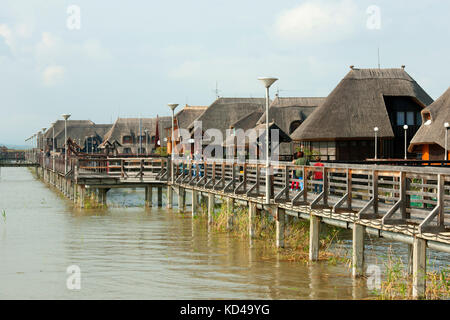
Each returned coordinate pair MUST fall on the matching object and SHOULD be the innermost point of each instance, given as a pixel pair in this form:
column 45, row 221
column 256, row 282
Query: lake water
column 129, row 252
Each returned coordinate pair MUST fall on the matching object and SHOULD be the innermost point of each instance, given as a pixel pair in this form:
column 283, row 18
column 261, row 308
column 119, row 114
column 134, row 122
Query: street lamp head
column 267, row 81
column 405, row 127
column 66, row 116
column 375, row 129
column 446, row 125
column 173, row 106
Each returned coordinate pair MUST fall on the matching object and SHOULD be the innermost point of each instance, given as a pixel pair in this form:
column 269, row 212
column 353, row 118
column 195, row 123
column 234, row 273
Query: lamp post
column 53, row 145
column 146, row 141
column 406, row 140
column 376, row 142
column 65, row 117
column 267, row 82
column 43, row 148
column 172, row 106
column 446, row 125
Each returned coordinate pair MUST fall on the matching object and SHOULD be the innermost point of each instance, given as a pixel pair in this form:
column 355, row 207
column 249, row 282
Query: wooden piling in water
column 314, row 240
column 251, row 219
column 160, row 192
column 211, row 204
column 194, row 206
column 280, row 227
column 169, row 197
column 230, row 213
column 148, row 196
column 419, row 267
column 358, row 250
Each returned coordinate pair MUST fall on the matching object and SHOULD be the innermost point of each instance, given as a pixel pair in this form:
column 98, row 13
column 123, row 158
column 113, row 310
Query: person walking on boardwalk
column 318, row 175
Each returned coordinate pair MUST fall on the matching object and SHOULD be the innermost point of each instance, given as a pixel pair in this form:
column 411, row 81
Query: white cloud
column 6, row 33
column 53, row 75
column 318, row 21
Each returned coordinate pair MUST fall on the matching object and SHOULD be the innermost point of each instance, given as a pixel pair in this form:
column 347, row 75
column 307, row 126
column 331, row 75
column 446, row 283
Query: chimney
column 403, row 67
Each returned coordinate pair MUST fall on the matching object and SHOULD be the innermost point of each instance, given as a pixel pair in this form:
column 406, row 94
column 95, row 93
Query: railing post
column 403, row 194
column 305, row 184
column 325, row 186
column 440, row 200
column 257, row 179
column 349, row 189
column 375, row 191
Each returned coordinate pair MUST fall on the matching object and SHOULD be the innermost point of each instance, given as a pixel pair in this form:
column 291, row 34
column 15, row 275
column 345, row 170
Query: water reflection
column 138, row 253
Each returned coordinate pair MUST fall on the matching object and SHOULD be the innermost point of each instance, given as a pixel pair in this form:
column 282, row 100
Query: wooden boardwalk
column 400, row 203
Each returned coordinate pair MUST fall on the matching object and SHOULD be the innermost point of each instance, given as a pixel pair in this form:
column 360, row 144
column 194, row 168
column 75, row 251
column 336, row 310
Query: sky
column 100, row 59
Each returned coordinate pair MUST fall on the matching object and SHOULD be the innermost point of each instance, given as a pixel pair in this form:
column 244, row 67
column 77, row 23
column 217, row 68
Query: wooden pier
column 400, row 203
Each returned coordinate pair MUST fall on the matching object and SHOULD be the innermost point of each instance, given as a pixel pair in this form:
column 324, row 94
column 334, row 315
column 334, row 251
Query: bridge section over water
column 406, row 204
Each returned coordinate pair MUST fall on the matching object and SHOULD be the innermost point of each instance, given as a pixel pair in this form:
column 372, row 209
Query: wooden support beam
column 251, row 219
column 230, row 213
column 419, row 268
column 375, row 191
column 314, row 239
column 181, row 198
column 280, row 227
column 160, row 196
column 211, row 204
column 358, row 250
column 194, row 203
column 169, row 197
column 148, row 196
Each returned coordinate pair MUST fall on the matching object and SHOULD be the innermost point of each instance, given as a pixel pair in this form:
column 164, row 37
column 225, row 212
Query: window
column 410, row 118
column 141, row 150
column 400, row 118
column 418, row 119
column 127, row 139
column 294, row 125
column 142, row 139
column 153, row 139
column 127, row 150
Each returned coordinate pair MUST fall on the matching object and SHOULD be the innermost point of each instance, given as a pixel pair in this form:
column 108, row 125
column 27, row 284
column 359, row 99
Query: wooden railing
column 393, row 194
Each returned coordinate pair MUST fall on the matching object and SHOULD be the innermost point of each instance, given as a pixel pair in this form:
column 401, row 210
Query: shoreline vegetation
column 396, row 282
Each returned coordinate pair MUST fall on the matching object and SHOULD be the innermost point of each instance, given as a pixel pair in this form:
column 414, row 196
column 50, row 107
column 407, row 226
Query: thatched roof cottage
column 342, row 128
column 124, row 134
column 85, row 133
column 429, row 141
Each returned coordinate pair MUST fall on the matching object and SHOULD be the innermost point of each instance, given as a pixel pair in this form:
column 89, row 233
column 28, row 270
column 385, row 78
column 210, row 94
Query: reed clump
column 296, row 239
column 397, row 282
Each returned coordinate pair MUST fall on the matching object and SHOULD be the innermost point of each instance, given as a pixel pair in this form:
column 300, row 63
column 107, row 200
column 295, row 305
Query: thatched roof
column 260, row 132
column 59, row 126
column 224, row 112
column 357, row 105
column 79, row 132
column 187, row 115
column 285, row 110
column 434, row 133
column 130, row 127
column 249, row 121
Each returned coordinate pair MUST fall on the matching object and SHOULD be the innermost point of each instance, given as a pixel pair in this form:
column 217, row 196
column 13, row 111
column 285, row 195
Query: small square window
column 410, row 118
column 400, row 118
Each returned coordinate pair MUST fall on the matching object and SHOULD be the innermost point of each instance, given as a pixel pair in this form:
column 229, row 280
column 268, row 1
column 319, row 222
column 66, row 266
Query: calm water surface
column 129, row 252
